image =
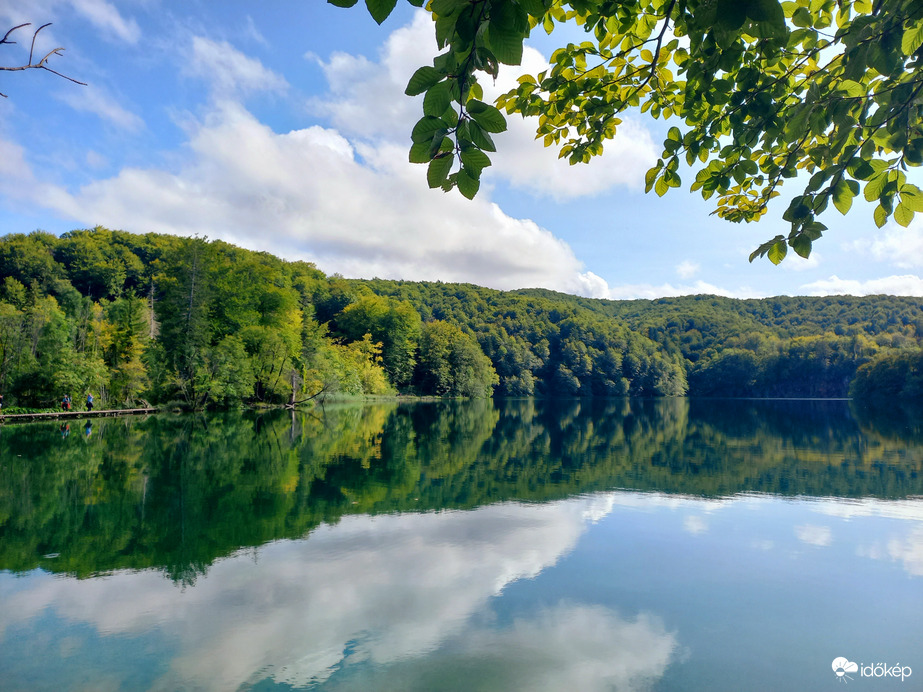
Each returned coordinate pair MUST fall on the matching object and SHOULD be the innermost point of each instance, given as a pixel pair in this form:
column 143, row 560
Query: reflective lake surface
column 517, row 545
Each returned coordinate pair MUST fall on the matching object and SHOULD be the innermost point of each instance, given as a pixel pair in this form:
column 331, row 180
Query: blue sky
column 282, row 126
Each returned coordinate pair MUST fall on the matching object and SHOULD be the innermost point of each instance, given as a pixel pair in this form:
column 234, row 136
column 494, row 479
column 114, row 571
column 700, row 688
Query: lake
column 669, row 545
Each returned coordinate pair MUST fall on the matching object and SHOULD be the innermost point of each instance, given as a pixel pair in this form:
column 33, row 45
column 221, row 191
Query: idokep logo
column 843, row 666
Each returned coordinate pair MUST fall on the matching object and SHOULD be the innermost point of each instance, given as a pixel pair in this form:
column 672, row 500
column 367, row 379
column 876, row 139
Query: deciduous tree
column 763, row 90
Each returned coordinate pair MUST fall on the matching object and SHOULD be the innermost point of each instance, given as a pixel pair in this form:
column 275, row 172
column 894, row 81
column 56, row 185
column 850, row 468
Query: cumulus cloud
column 228, row 70
column 901, row 246
column 900, row 285
column 367, row 100
column 345, row 198
column 305, row 194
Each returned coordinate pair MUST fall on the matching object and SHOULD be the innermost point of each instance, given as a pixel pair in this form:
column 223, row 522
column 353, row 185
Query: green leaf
column 903, row 215
column 777, row 252
column 649, row 178
column 437, row 99
column 912, row 197
column 913, row 38
column 419, row 152
column 535, row 8
column 342, row 3
column 842, row 197
column 506, row 45
column 475, row 160
column 661, row 186
column 444, row 8
column 425, row 128
column 439, row 169
column 731, row 14
column 439, row 142
column 422, row 80
column 380, row 9
column 802, row 17
column 486, row 116
column 480, row 138
column 881, row 216
column 875, row 186
column 851, row 88
column 467, row 185
column 767, row 12
column 801, row 244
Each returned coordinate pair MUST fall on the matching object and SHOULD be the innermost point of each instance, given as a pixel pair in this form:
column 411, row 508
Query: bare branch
column 7, row 35
column 32, row 65
column 32, row 49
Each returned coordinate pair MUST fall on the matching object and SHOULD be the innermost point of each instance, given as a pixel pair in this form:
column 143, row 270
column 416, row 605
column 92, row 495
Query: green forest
column 191, row 323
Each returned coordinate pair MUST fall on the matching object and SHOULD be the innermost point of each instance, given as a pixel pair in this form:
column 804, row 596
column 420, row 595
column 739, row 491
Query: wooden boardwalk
column 55, row 415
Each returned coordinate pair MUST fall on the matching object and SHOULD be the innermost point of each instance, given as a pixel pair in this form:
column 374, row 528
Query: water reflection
column 380, row 592
column 177, row 493
column 618, row 590
column 522, row 545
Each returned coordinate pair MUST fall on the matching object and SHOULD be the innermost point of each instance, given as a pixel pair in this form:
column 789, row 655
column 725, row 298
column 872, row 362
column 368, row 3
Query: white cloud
column 901, row 246
column 354, row 206
column 814, row 535
column 96, row 160
column 367, row 100
column 305, row 194
column 93, row 99
column 687, row 269
column 105, row 16
column 228, row 70
column 796, row 263
column 906, row 285
column 529, row 165
column 651, row 291
column 101, row 14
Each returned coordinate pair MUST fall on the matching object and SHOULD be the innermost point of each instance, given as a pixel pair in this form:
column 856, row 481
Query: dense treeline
column 782, row 346
column 116, row 494
column 160, row 319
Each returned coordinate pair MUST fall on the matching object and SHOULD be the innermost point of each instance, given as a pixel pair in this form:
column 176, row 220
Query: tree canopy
column 763, row 90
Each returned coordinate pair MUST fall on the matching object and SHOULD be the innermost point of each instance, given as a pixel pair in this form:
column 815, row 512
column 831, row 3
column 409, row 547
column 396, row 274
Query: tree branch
column 32, row 65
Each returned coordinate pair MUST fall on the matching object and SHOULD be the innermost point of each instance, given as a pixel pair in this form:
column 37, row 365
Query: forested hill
column 890, row 320
column 782, row 346
column 166, row 320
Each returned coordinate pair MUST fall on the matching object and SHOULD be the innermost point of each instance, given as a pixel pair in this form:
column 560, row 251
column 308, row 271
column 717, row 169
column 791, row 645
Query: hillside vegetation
column 160, row 319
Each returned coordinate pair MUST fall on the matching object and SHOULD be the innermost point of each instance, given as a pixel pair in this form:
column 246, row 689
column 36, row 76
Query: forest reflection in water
column 177, row 492
column 630, row 544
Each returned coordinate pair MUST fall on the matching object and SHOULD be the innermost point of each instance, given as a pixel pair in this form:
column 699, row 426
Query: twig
column 41, row 64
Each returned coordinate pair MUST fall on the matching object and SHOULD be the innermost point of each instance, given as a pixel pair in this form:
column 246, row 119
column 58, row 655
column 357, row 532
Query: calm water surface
column 522, row 545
